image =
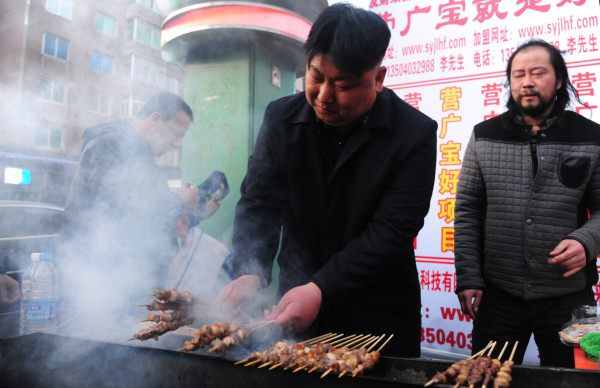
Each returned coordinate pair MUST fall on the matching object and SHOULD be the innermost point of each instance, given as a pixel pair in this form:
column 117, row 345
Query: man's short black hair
column 355, row 40
column 167, row 104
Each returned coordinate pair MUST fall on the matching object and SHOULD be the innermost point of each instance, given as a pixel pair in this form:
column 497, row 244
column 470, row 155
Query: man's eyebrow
column 533, row 69
column 342, row 77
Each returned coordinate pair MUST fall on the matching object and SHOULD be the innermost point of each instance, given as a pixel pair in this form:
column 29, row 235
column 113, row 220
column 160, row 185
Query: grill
column 40, row 360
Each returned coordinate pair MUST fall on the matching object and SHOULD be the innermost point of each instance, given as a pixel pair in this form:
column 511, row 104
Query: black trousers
column 502, row 317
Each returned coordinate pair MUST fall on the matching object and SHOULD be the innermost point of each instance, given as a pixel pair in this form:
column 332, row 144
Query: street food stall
column 94, row 352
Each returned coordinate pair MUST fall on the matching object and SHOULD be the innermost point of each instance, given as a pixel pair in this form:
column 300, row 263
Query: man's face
column 165, row 135
column 533, row 82
column 339, row 98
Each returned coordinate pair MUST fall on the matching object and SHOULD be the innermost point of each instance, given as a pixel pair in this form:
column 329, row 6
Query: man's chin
column 532, row 110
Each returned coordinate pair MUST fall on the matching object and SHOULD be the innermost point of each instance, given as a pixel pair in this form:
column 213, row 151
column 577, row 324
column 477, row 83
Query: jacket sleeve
column 469, row 220
column 258, row 214
column 589, row 234
column 382, row 254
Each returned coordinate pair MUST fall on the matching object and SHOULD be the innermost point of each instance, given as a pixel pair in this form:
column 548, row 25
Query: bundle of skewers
column 180, row 308
column 176, row 309
column 478, row 369
column 349, row 355
column 220, row 336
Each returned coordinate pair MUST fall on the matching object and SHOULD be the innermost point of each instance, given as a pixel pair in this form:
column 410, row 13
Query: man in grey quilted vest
column 527, row 228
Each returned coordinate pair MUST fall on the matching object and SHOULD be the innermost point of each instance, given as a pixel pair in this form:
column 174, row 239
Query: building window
column 145, row 71
column 104, row 24
column 142, row 31
column 62, row 8
column 148, row 3
column 99, row 103
column 48, row 137
column 51, row 90
column 101, row 62
column 131, row 106
column 55, row 46
column 172, row 85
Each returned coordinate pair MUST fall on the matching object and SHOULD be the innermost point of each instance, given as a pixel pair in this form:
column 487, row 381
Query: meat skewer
column 324, row 337
column 503, row 377
column 219, row 335
column 454, row 370
column 343, row 358
column 177, row 308
column 321, row 355
column 493, row 368
column 370, row 358
column 478, row 371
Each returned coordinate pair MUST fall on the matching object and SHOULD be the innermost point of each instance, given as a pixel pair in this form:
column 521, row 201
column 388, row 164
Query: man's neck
column 537, row 123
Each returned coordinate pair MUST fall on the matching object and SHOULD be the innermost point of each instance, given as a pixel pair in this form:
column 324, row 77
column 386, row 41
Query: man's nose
column 326, row 92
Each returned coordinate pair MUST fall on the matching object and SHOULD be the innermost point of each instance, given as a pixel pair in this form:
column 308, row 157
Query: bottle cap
column 42, row 256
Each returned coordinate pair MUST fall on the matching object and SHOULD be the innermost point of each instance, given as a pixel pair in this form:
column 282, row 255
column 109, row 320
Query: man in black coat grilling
column 342, row 175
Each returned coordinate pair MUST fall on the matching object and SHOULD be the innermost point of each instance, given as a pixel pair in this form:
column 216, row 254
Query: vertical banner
column 447, row 58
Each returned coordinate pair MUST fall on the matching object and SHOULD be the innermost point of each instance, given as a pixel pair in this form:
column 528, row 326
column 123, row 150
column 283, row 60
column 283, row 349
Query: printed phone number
column 416, row 67
column 441, row 337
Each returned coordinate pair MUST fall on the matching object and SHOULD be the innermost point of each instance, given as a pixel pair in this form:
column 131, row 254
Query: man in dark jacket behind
column 525, row 247
column 120, row 213
column 344, row 174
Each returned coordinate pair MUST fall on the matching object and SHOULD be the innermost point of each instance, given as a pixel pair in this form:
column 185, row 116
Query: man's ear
column 155, row 116
column 379, row 78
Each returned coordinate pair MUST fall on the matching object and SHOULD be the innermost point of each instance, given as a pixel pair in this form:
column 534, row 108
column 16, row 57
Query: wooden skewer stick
column 257, row 325
column 350, row 340
column 357, row 340
column 341, row 374
column 276, row 365
column 265, row 364
column 299, row 368
column 238, row 362
column 331, row 339
column 492, row 348
column 343, row 340
column 317, row 339
column 314, row 368
column 385, row 343
column 290, row 366
column 328, row 371
column 375, row 343
column 502, row 352
column 481, row 351
column 365, row 343
column 513, row 351
column 252, row 362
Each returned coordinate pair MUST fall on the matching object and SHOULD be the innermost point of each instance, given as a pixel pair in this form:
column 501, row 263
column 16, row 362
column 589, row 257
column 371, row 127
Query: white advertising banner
column 448, row 58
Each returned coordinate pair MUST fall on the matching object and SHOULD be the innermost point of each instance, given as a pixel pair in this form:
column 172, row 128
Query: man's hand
column 190, row 198
column 570, row 255
column 298, row 308
column 9, row 289
column 469, row 301
column 210, row 208
column 239, row 293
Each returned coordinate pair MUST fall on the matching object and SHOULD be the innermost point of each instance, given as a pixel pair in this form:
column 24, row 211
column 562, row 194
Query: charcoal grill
column 46, row 360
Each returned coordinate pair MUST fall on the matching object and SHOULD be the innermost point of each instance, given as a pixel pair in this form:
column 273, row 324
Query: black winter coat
column 348, row 225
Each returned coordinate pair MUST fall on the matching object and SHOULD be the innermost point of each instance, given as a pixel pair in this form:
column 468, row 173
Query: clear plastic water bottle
column 39, row 303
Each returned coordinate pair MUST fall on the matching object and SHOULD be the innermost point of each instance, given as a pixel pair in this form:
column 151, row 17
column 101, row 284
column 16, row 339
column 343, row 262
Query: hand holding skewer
column 298, row 308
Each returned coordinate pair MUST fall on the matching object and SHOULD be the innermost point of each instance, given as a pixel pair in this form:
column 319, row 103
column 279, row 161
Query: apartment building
column 70, row 64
